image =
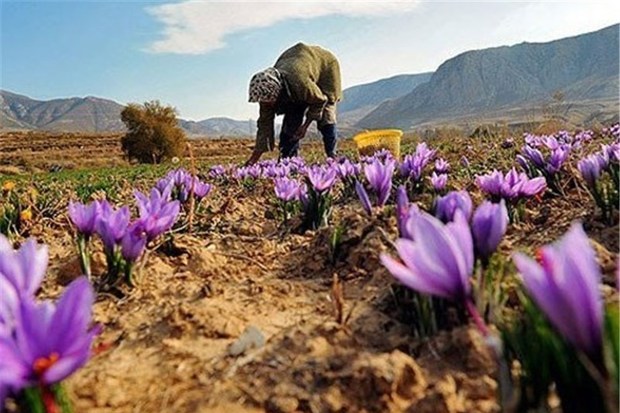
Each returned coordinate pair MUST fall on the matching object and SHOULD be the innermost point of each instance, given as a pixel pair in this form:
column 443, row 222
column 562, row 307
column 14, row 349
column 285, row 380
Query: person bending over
column 304, row 85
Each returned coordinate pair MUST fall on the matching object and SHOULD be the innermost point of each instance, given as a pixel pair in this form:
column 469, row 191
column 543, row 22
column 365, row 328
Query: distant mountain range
column 91, row 114
column 358, row 101
column 502, row 84
column 581, row 69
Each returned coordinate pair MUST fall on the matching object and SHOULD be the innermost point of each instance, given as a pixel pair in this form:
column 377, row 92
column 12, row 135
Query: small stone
column 251, row 338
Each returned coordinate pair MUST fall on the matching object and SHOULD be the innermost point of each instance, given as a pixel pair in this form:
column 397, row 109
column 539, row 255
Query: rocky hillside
column 89, row 114
column 583, row 68
column 360, row 100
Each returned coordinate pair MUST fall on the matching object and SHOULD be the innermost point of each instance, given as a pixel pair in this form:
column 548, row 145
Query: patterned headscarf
column 265, row 86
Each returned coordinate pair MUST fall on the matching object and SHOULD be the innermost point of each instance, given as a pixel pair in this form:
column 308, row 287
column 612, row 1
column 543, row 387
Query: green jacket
column 312, row 76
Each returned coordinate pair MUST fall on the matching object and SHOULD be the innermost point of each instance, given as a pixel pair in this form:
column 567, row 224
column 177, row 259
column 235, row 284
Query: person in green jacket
column 304, row 82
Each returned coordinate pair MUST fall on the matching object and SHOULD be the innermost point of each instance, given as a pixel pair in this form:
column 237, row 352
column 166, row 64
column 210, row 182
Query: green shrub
column 153, row 134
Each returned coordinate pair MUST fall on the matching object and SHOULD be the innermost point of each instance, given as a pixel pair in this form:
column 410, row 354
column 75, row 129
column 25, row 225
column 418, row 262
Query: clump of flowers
column 612, row 131
column 439, row 177
column 317, row 207
column 513, row 187
column 248, row 175
column 379, row 175
column 412, row 167
column 347, row 172
column 124, row 241
column 438, row 260
column 560, row 138
column 290, row 193
column 548, row 164
column 439, row 182
column 601, row 172
column 41, row 343
column 181, row 185
column 456, row 246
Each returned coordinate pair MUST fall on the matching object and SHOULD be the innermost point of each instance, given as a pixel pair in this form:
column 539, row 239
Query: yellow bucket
column 370, row 142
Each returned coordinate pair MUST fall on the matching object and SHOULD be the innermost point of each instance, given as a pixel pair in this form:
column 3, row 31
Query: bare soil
column 242, row 315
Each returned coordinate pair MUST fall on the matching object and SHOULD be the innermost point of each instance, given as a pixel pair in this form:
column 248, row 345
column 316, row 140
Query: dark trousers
column 293, row 118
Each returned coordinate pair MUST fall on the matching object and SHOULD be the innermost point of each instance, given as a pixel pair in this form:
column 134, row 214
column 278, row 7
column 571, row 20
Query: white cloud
column 198, row 27
column 546, row 21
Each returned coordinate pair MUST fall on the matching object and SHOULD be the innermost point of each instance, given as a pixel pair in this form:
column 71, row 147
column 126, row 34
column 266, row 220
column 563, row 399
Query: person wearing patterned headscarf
column 304, row 85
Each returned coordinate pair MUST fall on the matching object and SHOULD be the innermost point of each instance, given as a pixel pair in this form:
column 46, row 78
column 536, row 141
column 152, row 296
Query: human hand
column 301, row 132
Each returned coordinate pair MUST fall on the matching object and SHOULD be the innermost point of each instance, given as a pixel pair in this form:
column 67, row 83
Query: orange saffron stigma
column 538, row 255
column 42, row 364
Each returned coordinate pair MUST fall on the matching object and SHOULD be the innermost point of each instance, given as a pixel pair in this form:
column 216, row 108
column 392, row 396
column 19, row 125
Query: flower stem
column 475, row 315
column 128, row 277
column 49, row 401
column 84, row 256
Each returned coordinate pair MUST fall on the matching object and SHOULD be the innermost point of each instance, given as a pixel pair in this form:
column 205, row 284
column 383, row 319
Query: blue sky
column 199, row 55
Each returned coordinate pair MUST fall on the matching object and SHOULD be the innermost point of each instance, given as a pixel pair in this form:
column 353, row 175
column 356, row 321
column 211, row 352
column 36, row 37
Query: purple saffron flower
column 49, row 342
column 346, row 169
column 511, row 187
column 254, row 171
column 557, row 158
column 363, row 197
column 402, row 210
column 191, row 183
column 439, row 181
column 442, row 166
column 157, row 214
column 613, row 152
column 202, row 189
column 84, row 217
column 533, row 155
column 379, row 176
column 216, row 171
column 8, row 307
column 489, row 224
column 411, row 167
column 552, row 142
column 590, row 169
column 25, row 267
column 322, row 179
column 165, row 184
column 287, row 189
column 565, row 285
column 491, row 183
column 523, row 162
column 406, row 213
column 413, row 164
column 524, row 186
column 133, row 243
column 423, row 152
column 447, row 205
column 440, row 262
column 111, row 225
